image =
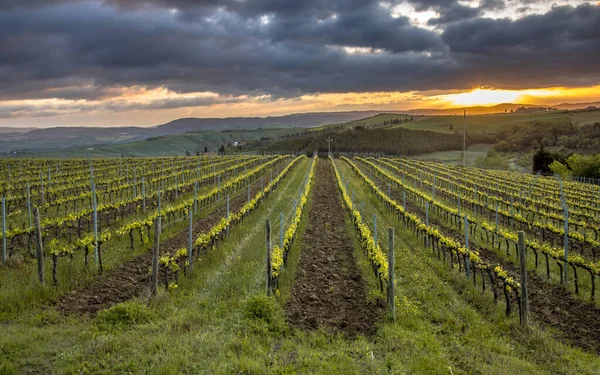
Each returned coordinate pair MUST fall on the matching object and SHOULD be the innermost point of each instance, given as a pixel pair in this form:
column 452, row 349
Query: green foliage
column 264, row 315
column 585, row 165
column 123, row 316
column 564, row 135
column 398, row 141
column 560, row 169
column 260, row 307
column 492, row 161
column 577, row 165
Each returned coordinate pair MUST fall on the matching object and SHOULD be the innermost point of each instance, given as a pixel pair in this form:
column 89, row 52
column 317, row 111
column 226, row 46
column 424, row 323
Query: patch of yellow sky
column 548, row 96
column 264, row 106
column 474, row 97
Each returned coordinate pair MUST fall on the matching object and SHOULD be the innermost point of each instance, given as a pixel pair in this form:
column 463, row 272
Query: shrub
column 124, row 315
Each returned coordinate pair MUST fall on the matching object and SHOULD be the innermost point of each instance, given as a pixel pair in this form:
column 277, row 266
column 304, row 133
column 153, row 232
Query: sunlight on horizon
column 144, row 106
column 490, row 97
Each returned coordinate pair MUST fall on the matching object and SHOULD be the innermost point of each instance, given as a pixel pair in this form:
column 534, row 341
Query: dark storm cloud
column 47, row 110
column 453, row 13
column 561, row 47
column 84, row 50
column 493, row 4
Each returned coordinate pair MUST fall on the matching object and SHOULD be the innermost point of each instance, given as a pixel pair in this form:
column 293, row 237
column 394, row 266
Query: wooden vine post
column 95, row 218
column 143, row 195
column 281, row 224
column 4, row 249
column 566, row 244
column 196, row 196
column 269, row 288
column 375, row 228
column 468, row 255
column 42, row 188
column 391, row 263
column 29, row 205
column 190, row 240
column 227, row 229
column 524, row 313
column 39, row 246
column 155, row 254
column 496, row 229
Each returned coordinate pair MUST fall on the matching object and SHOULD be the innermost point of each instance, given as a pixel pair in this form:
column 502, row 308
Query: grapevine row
column 436, row 240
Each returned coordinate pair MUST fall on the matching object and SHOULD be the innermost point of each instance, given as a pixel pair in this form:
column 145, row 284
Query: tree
column 560, row 169
column 205, row 149
column 542, row 160
column 585, row 165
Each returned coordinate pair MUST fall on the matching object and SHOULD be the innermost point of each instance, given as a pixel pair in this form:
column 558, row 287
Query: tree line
column 398, row 141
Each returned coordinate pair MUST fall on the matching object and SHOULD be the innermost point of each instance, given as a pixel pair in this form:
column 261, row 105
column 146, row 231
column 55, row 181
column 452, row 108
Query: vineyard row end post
column 39, row 249
column 391, row 262
column 155, row 254
column 523, row 269
column 269, row 287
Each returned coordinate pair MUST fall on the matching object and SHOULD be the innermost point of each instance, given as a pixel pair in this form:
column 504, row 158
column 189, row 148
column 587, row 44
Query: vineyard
column 285, row 264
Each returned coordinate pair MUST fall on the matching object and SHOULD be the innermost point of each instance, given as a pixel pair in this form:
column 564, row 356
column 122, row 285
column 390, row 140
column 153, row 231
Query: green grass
column 584, row 118
column 495, row 123
column 455, row 156
column 378, row 119
column 218, row 322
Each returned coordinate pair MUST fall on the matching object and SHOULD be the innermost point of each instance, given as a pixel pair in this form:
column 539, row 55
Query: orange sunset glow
column 135, row 106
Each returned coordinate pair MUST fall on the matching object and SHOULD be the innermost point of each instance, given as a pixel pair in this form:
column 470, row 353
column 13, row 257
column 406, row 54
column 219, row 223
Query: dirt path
column 132, row 278
column 576, row 321
column 328, row 289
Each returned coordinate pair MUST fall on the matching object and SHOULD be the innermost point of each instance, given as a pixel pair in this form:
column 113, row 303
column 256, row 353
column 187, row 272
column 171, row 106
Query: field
column 495, row 123
column 455, row 156
column 379, row 119
column 161, row 265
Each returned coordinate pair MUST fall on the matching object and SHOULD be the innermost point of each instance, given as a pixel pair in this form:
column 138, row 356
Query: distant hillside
column 476, row 110
column 58, row 138
column 7, row 130
column 498, row 123
column 184, row 125
column 28, row 140
column 172, row 144
column 572, row 106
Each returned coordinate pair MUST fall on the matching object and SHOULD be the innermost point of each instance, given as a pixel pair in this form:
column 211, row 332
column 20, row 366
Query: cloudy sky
column 143, row 62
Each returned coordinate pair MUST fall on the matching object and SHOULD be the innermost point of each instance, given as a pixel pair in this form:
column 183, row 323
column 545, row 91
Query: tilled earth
column 132, row 278
column 329, row 290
